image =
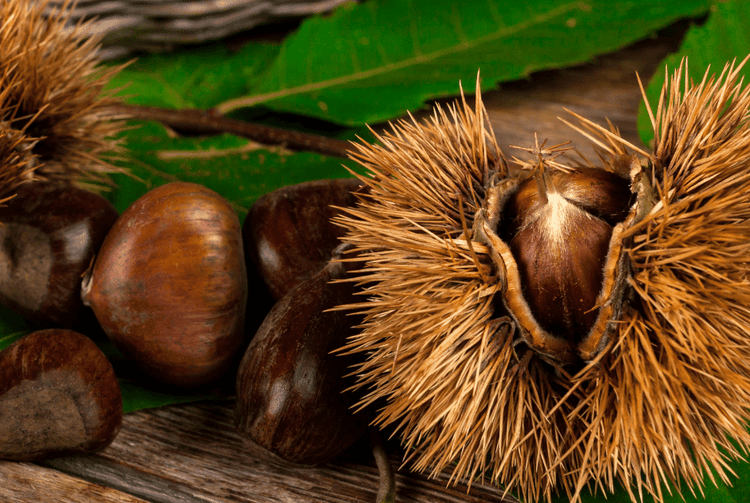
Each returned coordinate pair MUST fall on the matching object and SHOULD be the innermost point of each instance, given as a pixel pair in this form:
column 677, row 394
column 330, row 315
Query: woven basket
column 162, row 25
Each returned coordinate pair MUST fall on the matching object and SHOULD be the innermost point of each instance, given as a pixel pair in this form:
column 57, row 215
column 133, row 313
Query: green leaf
column 714, row 492
column 373, row 61
column 136, row 397
column 13, row 326
column 200, row 77
column 720, row 40
column 237, row 168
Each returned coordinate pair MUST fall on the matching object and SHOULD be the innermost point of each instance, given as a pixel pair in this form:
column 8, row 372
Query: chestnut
column 562, row 228
column 49, row 234
column 288, row 234
column 58, row 396
column 290, row 387
column 169, row 285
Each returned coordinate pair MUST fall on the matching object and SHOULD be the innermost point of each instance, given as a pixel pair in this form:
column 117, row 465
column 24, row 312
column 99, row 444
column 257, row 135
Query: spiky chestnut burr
column 654, row 387
column 55, row 116
column 16, row 163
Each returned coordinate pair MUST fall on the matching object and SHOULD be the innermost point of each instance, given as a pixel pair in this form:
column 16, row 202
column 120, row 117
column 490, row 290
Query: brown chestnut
column 288, row 234
column 169, row 285
column 290, row 398
column 49, row 234
column 563, row 225
column 58, row 395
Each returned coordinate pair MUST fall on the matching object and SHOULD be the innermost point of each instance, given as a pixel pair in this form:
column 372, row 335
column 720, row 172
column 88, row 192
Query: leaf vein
column 247, row 101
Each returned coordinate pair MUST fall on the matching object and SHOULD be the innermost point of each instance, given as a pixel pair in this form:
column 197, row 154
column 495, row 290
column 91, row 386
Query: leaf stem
column 200, row 121
column 387, row 485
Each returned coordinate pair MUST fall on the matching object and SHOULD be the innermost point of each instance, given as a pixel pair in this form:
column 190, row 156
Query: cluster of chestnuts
column 168, row 283
column 175, row 283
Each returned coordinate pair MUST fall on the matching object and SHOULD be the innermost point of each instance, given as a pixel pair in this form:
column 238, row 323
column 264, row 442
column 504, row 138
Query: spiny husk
column 663, row 402
column 52, row 92
column 437, row 351
column 671, row 400
column 15, row 170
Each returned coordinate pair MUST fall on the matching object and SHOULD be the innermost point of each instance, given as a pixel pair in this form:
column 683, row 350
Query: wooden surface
column 191, row 453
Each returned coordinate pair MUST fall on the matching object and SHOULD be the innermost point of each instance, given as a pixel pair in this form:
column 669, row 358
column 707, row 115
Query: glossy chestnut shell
column 560, row 237
column 290, row 387
column 49, row 234
column 169, row 285
column 288, row 234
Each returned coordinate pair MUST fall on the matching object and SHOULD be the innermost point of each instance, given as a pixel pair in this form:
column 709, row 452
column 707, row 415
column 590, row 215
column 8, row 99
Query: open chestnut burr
column 555, row 324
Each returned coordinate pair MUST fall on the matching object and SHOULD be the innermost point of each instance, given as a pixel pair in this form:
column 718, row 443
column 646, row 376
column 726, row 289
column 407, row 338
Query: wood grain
column 26, row 482
column 191, row 453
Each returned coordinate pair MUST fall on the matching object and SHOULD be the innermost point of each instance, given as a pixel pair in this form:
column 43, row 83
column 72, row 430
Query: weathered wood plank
column 142, row 484
column 29, row 483
column 188, row 453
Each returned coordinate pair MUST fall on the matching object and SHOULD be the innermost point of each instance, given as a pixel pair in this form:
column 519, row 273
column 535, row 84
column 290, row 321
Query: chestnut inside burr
column 558, row 225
